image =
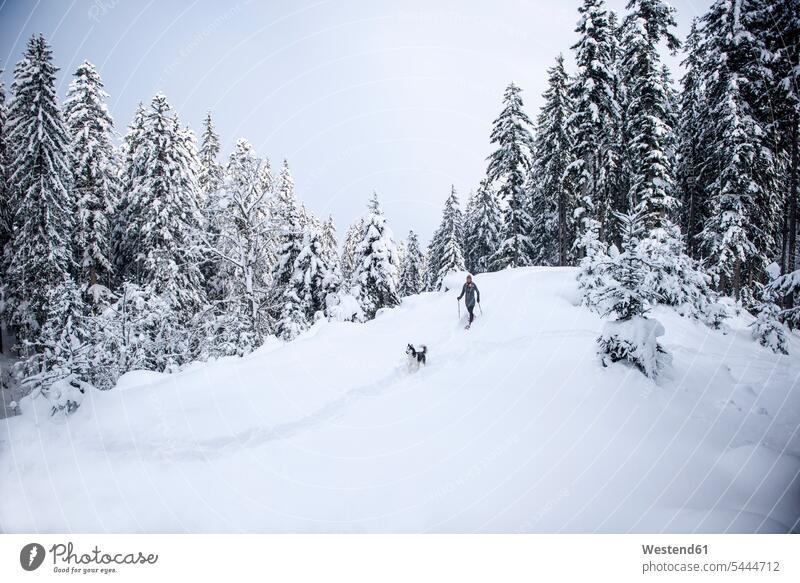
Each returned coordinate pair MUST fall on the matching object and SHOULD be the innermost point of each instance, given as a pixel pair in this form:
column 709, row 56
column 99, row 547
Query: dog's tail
column 424, row 349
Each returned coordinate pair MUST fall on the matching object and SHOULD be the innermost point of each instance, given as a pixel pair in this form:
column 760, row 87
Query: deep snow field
column 514, row 426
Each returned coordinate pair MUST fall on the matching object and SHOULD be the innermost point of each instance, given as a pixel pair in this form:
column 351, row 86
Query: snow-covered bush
column 768, row 330
column 785, row 285
column 636, row 342
column 343, row 306
column 65, row 395
column 714, row 314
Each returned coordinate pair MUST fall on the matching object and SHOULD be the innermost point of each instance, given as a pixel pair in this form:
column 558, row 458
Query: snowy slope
column 513, row 426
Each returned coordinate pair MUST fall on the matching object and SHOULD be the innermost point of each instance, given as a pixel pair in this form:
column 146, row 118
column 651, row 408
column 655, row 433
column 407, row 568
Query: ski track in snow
column 256, row 436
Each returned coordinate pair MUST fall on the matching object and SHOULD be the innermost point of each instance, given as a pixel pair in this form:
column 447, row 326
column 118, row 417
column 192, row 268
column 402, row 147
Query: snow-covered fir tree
column 658, row 19
column 352, row 238
column 426, row 269
column 40, row 256
column 594, row 259
column 445, row 252
column 164, row 213
column 268, row 186
column 775, row 25
column 738, row 232
column 676, row 279
column 306, row 295
column 767, row 329
column 620, row 163
column 412, row 268
column 691, row 148
column 289, row 215
column 672, row 113
column 309, row 219
column 594, row 124
column 286, row 209
column 509, row 166
column 291, row 237
column 210, row 177
column 401, row 258
column 211, row 172
column 125, row 231
column 554, row 195
column 451, row 260
column 330, row 245
column 649, row 110
column 292, row 319
column 375, row 265
column 627, row 296
column 483, row 223
column 94, row 175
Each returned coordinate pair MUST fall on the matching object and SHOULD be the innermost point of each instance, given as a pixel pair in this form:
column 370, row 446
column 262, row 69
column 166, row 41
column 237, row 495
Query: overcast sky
column 358, row 95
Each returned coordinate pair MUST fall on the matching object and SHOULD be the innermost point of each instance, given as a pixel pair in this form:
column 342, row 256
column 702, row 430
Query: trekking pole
column 459, row 309
column 481, row 307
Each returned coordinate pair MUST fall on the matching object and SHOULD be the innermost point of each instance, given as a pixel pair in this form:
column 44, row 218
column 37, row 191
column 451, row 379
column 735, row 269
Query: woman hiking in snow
column 469, row 292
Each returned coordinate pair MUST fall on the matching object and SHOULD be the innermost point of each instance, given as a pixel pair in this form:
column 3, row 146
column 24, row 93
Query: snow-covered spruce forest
column 154, row 253
column 666, row 199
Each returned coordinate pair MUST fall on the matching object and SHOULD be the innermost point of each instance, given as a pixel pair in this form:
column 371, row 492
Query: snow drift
column 514, row 426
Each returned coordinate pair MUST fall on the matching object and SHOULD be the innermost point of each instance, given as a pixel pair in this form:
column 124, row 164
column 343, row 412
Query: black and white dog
column 416, row 358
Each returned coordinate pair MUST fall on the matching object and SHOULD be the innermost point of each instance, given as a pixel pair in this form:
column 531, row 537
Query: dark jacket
column 470, row 290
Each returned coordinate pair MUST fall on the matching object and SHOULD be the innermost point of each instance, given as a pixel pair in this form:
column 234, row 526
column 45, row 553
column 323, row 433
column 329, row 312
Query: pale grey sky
column 358, row 95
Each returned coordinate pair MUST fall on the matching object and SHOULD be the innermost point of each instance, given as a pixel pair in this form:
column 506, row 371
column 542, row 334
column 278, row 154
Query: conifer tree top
column 85, row 106
column 210, row 141
column 511, row 133
column 658, row 18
